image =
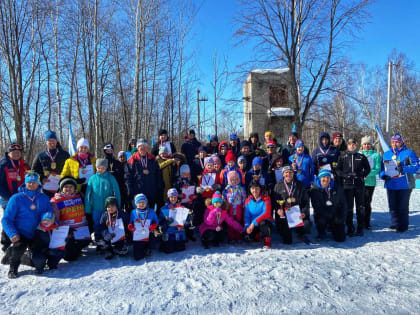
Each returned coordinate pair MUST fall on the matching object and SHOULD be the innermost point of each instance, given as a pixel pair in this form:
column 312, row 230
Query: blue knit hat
column 48, row 216
column 299, row 143
column 233, row 136
column 140, row 197
column 172, row 193
column 257, row 161
column 50, row 135
column 324, row 172
column 217, row 197
column 32, row 177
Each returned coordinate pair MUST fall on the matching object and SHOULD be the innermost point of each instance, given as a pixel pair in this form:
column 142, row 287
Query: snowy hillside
column 375, row 274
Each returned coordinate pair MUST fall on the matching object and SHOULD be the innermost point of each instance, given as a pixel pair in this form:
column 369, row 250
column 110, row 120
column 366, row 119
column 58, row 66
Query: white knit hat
column 366, row 139
column 82, row 142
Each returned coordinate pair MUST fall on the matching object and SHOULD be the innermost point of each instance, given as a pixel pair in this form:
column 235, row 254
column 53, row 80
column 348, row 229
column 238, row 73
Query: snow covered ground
column 375, row 274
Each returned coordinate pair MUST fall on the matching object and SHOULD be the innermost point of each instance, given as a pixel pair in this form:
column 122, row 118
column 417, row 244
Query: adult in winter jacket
column 290, row 148
column 302, row 164
column 374, row 160
column 12, row 172
column 81, row 165
column 353, row 167
column 399, row 166
column 100, row 186
column 288, row 193
column 326, row 156
column 213, row 146
column 330, row 207
column 21, row 217
column 163, row 141
column 167, row 167
column 143, row 175
column 50, row 162
column 339, row 143
column 190, row 147
column 270, row 136
column 254, row 141
column 234, row 144
column 257, row 217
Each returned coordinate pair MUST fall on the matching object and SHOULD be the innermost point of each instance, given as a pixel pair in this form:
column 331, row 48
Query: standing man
column 353, row 167
column 190, row 148
column 143, row 175
column 12, row 172
column 164, row 141
column 49, row 163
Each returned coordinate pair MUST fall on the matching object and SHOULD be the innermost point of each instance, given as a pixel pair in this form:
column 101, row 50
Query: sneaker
column 267, row 242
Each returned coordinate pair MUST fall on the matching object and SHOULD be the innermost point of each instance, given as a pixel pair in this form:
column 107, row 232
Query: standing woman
column 80, row 166
column 370, row 181
column 399, row 165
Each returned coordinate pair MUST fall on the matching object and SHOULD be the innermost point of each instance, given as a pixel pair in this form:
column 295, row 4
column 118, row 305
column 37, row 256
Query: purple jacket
column 214, row 217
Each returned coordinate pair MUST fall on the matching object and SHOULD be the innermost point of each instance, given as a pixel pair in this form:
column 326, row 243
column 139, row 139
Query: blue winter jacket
column 410, row 165
column 305, row 168
column 257, row 211
column 137, row 214
column 18, row 217
column 324, row 155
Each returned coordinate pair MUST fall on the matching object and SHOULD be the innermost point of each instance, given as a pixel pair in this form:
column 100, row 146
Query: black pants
column 15, row 251
column 171, row 246
column 50, row 257
column 286, row 232
column 212, row 237
column 356, row 193
column 368, row 200
column 338, row 230
column 74, row 249
column 398, row 202
column 264, row 229
column 140, row 249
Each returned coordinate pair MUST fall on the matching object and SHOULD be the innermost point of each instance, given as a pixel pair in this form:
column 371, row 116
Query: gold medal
column 53, row 165
column 207, row 189
column 146, row 172
column 218, row 228
column 18, row 178
column 299, row 171
column 293, row 199
column 33, row 207
column 46, row 173
column 394, row 157
column 84, row 171
column 280, row 202
column 289, row 200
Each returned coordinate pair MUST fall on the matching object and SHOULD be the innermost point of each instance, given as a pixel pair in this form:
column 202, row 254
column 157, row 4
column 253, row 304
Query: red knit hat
column 336, row 135
column 230, row 156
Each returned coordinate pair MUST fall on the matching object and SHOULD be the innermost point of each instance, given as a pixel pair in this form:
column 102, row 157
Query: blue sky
column 394, row 24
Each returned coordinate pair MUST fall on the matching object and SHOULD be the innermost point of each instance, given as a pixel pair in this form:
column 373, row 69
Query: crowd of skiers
column 230, row 190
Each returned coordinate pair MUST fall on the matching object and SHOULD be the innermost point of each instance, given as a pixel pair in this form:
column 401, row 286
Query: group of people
column 230, row 190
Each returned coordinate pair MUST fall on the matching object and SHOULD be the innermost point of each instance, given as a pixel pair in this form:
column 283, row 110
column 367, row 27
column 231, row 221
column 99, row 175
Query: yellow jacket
column 71, row 168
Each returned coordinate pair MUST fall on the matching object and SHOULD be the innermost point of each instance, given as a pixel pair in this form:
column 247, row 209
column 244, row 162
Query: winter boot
column 39, row 271
column 13, row 272
column 359, row 232
column 267, row 242
column 109, row 255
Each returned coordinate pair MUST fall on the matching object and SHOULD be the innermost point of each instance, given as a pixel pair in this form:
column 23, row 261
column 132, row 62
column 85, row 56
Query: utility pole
column 388, row 102
column 203, row 99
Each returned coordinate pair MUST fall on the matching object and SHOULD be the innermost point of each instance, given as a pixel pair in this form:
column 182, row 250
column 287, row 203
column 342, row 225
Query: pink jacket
column 214, row 217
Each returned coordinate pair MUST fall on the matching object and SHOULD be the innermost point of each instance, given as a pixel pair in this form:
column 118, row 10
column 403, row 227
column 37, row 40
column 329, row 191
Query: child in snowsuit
column 235, row 196
column 230, row 166
column 41, row 253
column 173, row 235
column 100, row 186
column 112, row 227
column 143, row 220
column 211, row 229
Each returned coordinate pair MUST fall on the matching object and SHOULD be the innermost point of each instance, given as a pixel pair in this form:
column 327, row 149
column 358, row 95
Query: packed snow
column 375, row 274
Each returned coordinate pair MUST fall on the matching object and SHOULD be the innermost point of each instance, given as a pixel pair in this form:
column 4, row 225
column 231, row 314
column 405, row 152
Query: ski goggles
column 15, row 146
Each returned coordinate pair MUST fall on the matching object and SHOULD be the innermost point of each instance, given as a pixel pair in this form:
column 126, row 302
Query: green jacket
column 375, row 166
column 100, row 187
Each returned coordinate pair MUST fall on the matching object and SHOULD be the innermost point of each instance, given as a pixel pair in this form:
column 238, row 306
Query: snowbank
column 377, row 273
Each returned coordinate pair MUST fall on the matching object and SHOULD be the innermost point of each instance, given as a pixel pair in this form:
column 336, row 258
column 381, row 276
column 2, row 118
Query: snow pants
column 140, row 249
column 15, row 251
column 398, row 202
column 352, row 194
column 286, row 232
column 171, row 246
column 338, row 230
column 368, row 207
column 212, row 237
column 260, row 232
column 50, row 257
column 74, row 248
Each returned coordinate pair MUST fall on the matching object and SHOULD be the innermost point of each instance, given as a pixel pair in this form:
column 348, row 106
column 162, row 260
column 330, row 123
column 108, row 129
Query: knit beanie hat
column 32, row 177
column 242, row 158
column 172, row 192
column 48, row 216
column 111, row 201
column 217, row 197
column 269, row 132
column 140, row 197
column 287, row 168
column 141, row 141
column 233, row 136
column 102, row 162
column 366, row 139
column 336, row 135
column 324, row 172
column 254, row 135
column 215, row 158
column 230, row 156
column 67, row 180
column 201, row 148
column 397, row 138
column 50, row 135
column 208, row 160
column 121, row 153
column 82, row 142
column 257, row 161
column 231, row 175
column 299, row 143
column 245, row 143
column 271, row 144
column 108, row 146
column 293, row 133
column 185, row 168
column 163, row 132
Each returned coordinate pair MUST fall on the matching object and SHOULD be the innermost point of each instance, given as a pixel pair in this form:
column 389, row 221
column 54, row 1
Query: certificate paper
column 141, row 232
column 58, row 237
column 86, row 172
column 179, row 215
column 119, row 231
column 81, row 233
column 187, row 191
column 391, row 168
column 52, row 184
column 293, row 217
